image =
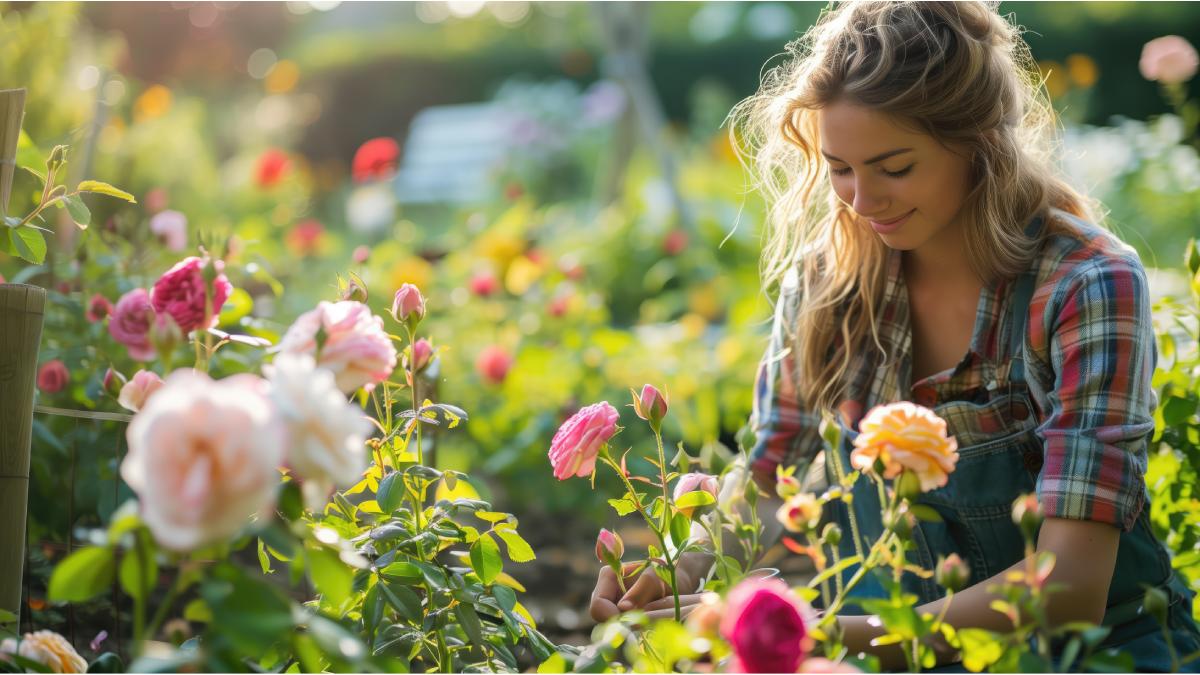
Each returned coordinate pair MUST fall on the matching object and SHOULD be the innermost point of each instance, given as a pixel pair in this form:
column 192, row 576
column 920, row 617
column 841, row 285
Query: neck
column 942, row 259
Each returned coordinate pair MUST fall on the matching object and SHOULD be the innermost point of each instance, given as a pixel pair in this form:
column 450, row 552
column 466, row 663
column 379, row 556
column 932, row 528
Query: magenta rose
column 130, row 324
column 98, row 308
column 181, row 293
column 764, row 623
column 354, row 346
column 575, row 446
column 53, row 376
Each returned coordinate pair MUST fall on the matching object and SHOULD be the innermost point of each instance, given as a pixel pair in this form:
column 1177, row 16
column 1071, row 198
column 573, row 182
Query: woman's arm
column 1085, row 554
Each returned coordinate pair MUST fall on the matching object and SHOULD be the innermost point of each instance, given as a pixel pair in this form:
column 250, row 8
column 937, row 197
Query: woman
column 925, row 249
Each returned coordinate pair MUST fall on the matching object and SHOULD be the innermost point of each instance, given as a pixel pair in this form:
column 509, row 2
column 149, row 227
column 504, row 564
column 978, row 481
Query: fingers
column 668, row 602
column 670, row 612
column 647, row 588
column 604, row 598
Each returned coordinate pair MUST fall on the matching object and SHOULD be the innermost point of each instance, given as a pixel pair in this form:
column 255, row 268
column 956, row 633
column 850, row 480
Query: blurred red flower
column 272, row 165
column 303, row 238
column 375, row 159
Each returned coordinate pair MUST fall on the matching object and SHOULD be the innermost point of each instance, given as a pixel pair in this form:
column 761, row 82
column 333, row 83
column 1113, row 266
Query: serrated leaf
column 78, row 210
column 623, row 507
column 519, row 550
column 485, row 559
column 27, row 243
column 105, row 189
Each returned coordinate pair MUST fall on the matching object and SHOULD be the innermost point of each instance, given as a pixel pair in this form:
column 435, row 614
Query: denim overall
column 976, row 510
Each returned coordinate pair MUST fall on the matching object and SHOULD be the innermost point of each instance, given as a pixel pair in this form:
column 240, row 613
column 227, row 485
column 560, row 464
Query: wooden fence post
column 21, row 310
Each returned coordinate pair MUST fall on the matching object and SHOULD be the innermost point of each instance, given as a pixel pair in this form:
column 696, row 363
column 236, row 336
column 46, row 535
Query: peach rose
column 906, row 436
column 138, row 389
column 203, row 457
column 47, row 648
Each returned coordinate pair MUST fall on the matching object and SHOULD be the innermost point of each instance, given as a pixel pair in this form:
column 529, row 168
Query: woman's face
column 905, row 185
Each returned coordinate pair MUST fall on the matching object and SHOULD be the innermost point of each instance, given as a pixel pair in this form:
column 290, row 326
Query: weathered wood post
column 21, row 309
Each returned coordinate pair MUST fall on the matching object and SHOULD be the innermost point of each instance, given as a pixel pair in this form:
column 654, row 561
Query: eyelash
column 894, row 174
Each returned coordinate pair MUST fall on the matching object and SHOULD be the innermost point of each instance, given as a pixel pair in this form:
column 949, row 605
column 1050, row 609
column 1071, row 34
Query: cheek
column 843, row 187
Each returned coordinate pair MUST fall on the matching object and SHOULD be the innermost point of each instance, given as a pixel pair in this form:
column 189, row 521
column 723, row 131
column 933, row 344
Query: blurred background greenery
column 563, row 192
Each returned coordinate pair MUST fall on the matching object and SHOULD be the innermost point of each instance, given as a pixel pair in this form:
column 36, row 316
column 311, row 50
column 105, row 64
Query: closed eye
column 894, row 174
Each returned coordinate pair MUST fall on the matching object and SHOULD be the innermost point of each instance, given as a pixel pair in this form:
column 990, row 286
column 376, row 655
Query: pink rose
column 764, row 623
column 575, row 446
column 98, row 308
column 1169, row 59
column 493, row 364
column 130, row 324
column 138, row 389
column 181, row 293
column 695, row 482
column 203, row 458
column 171, row 228
column 354, row 346
column 53, row 377
column 421, row 352
column 408, row 304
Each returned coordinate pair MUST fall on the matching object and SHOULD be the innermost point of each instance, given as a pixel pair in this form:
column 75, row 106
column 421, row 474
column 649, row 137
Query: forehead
column 855, row 133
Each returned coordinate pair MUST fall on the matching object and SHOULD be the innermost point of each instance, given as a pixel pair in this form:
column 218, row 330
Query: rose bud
column 786, row 484
column 420, row 353
column 1027, row 512
column 408, row 307
column 900, row 521
column 832, row 534
column 113, row 382
column 609, row 549
column 650, row 406
column 952, row 573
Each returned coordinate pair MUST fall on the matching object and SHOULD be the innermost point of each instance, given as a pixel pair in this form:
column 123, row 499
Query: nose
column 869, row 199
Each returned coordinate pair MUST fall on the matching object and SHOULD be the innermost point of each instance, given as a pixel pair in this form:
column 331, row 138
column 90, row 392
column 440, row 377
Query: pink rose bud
column 165, row 335
column 577, row 443
column 137, row 391
column 353, row 289
column 360, row 255
column 609, row 548
column 696, row 482
column 493, row 364
column 675, row 242
column 98, row 308
column 53, row 377
column 408, row 307
column 1169, row 59
column 421, row 352
column 650, row 406
column 1027, row 513
column 130, row 324
column 484, row 284
column 952, row 572
column 113, row 382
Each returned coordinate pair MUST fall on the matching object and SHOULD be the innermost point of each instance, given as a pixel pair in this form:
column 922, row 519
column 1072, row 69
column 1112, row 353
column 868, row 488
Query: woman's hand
column 646, row 589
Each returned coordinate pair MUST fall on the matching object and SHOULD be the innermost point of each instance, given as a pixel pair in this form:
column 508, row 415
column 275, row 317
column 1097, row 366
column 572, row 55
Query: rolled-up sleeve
column 1101, row 415
column 786, row 432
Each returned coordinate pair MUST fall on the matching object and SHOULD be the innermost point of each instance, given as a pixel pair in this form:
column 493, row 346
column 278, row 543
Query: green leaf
column 681, row 527
column 980, row 648
column 104, row 189
column 491, row 516
column 331, row 577
column 830, row 571
column 139, row 570
column 82, row 575
column 28, row 243
column 404, row 600
column 624, row 507
column 925, row 512
column 469, row 620
column 555, row 664
column 7, row 616
column 1177, row 410
column 108, row 662
column 485, row 559
column 695, row 499
column 506, row 596
column 264, row 560
column 78, row 210
column 391, row 492
column 519, row 550
column 403, row 571
column 197, row 611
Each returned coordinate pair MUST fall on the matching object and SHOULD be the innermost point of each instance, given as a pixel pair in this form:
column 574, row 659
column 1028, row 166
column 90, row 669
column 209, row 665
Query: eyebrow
column 876, row 158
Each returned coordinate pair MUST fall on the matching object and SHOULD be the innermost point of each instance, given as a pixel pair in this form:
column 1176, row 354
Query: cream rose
column 906, row 436
column 203, row 457
column 326, row 433
column 47, row 648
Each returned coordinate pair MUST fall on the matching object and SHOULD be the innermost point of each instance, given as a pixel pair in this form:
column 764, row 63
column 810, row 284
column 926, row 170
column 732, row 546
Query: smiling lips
column 885, row 226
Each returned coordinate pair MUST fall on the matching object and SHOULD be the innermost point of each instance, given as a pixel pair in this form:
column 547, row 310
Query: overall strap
column 1022, row 296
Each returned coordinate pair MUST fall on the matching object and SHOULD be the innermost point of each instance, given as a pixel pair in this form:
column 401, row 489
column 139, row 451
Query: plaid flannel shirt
column 1090, row 354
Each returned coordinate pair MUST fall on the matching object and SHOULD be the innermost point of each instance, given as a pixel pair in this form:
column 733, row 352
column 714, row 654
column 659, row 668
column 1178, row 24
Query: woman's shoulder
column 1076, row 251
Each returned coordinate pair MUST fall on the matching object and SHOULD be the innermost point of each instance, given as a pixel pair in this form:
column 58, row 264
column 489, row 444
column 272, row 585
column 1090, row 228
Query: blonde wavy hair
column 957, row 71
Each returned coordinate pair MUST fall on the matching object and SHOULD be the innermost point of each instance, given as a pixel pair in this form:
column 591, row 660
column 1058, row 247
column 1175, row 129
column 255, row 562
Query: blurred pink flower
column 375, row 159
column 493, row 364
column 574, row 447
column 203, row 458
column 171, row 228
column 484, row 284
column 130, row 323
column 675, row 242
column 271, row 167
column 138, row 389
column 304, row 237
column 422, row 352
column 180, row 292
column 354, row 346
column 1169, row 59
column 98, row 308
column 155, row 200
column 53, row 376
column 361, row 254
column 764, row 623
column 559, row 305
